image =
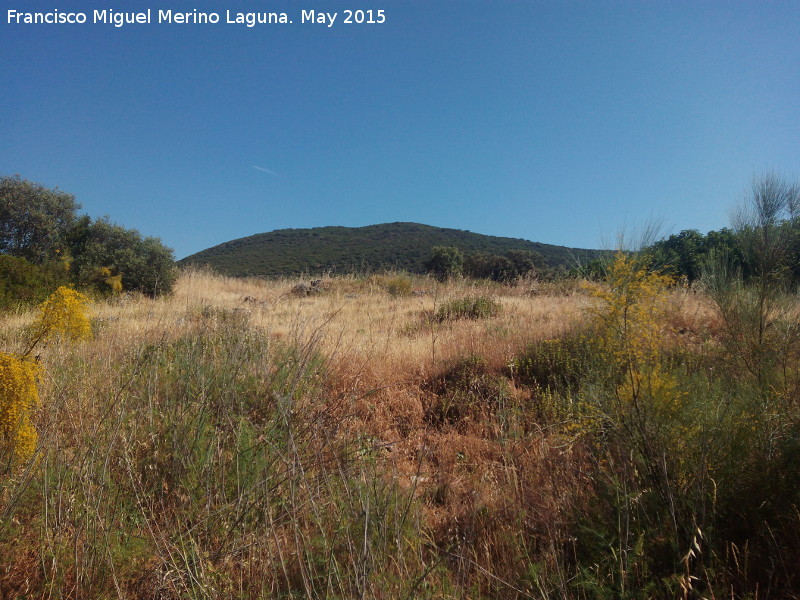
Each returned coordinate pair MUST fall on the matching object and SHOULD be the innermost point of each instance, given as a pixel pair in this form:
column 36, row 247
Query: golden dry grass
column 380, row 350
column 427, row 407
column 365, row 332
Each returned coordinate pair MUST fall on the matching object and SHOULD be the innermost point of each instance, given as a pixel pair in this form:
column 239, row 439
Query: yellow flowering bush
column 19, row 396
column 631, row 302
column 114, row 282
column 629, row 322
column 64, row 313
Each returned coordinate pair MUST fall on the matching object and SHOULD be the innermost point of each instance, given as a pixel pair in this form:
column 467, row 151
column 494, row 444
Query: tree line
column 764, row 237
column 446, row 262
column 45, row 242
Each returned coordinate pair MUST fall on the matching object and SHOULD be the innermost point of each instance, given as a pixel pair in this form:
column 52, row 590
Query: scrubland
column 398, row 437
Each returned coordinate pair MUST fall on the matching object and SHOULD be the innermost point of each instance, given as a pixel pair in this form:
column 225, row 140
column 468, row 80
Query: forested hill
column 357, row 249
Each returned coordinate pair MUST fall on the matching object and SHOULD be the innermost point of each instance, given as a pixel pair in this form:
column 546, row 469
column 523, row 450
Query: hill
column 347, row 249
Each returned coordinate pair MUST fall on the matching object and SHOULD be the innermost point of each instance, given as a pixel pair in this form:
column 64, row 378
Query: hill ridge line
column 401, row 245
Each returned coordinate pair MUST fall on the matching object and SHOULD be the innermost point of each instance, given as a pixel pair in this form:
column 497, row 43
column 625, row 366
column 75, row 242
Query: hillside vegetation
column 393, row 246
column 250, row 439
column 633, row 435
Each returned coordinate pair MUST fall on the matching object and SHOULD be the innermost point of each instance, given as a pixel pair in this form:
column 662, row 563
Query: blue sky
column 559, row 122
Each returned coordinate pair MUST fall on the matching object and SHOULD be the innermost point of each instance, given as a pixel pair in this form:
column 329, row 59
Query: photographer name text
column 121, row 19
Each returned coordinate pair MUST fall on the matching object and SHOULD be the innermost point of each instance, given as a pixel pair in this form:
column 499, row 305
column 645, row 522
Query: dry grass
column 382, row 355
column 429, row 409
column 367, row 334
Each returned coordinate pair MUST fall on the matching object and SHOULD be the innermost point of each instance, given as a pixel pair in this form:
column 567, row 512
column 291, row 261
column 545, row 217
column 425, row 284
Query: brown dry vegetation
column 383, row 358
column 238, row 440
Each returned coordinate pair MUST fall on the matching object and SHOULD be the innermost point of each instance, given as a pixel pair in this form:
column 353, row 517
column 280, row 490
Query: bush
column 395, row 285
column 445, row 262
column 19, row 396
column 697, row 464
column 40, row 225
column 24, row 283
column 34, row 220
column 559, row 365
column 143, row 264
column 514, row 265
column 63, row 314
column 478, row 307
column 398, row 286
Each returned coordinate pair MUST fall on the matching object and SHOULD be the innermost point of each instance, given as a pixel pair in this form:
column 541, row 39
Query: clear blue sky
column 559, row 121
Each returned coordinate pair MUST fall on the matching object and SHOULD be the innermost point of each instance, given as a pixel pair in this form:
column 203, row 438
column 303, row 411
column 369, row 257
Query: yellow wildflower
column 19, row 396
column 629, row 327
column 64, row 313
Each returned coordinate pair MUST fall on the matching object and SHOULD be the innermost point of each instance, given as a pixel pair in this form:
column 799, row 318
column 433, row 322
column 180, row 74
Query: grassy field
column 396, row 437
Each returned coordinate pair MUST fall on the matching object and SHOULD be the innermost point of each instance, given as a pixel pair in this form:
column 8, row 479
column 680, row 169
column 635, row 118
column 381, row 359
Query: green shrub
column 560, row 365
column 34, row 220
column 507, row 268
column 445, row 262
column 40, row 225
column 23, row 283
column 396, row 286
column 139, row 264
column 477, row 307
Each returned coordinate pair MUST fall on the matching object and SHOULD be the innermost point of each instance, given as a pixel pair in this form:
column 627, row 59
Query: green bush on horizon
column 473, row 307
column 41, row 226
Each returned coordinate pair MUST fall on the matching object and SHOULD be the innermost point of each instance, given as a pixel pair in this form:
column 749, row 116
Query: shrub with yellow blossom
column 629, row 326
column 64, row 313
column 19, row 396
column 114, row 282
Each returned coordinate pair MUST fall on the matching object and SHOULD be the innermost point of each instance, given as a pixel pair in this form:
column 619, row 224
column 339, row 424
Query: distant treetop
column 46, row 243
